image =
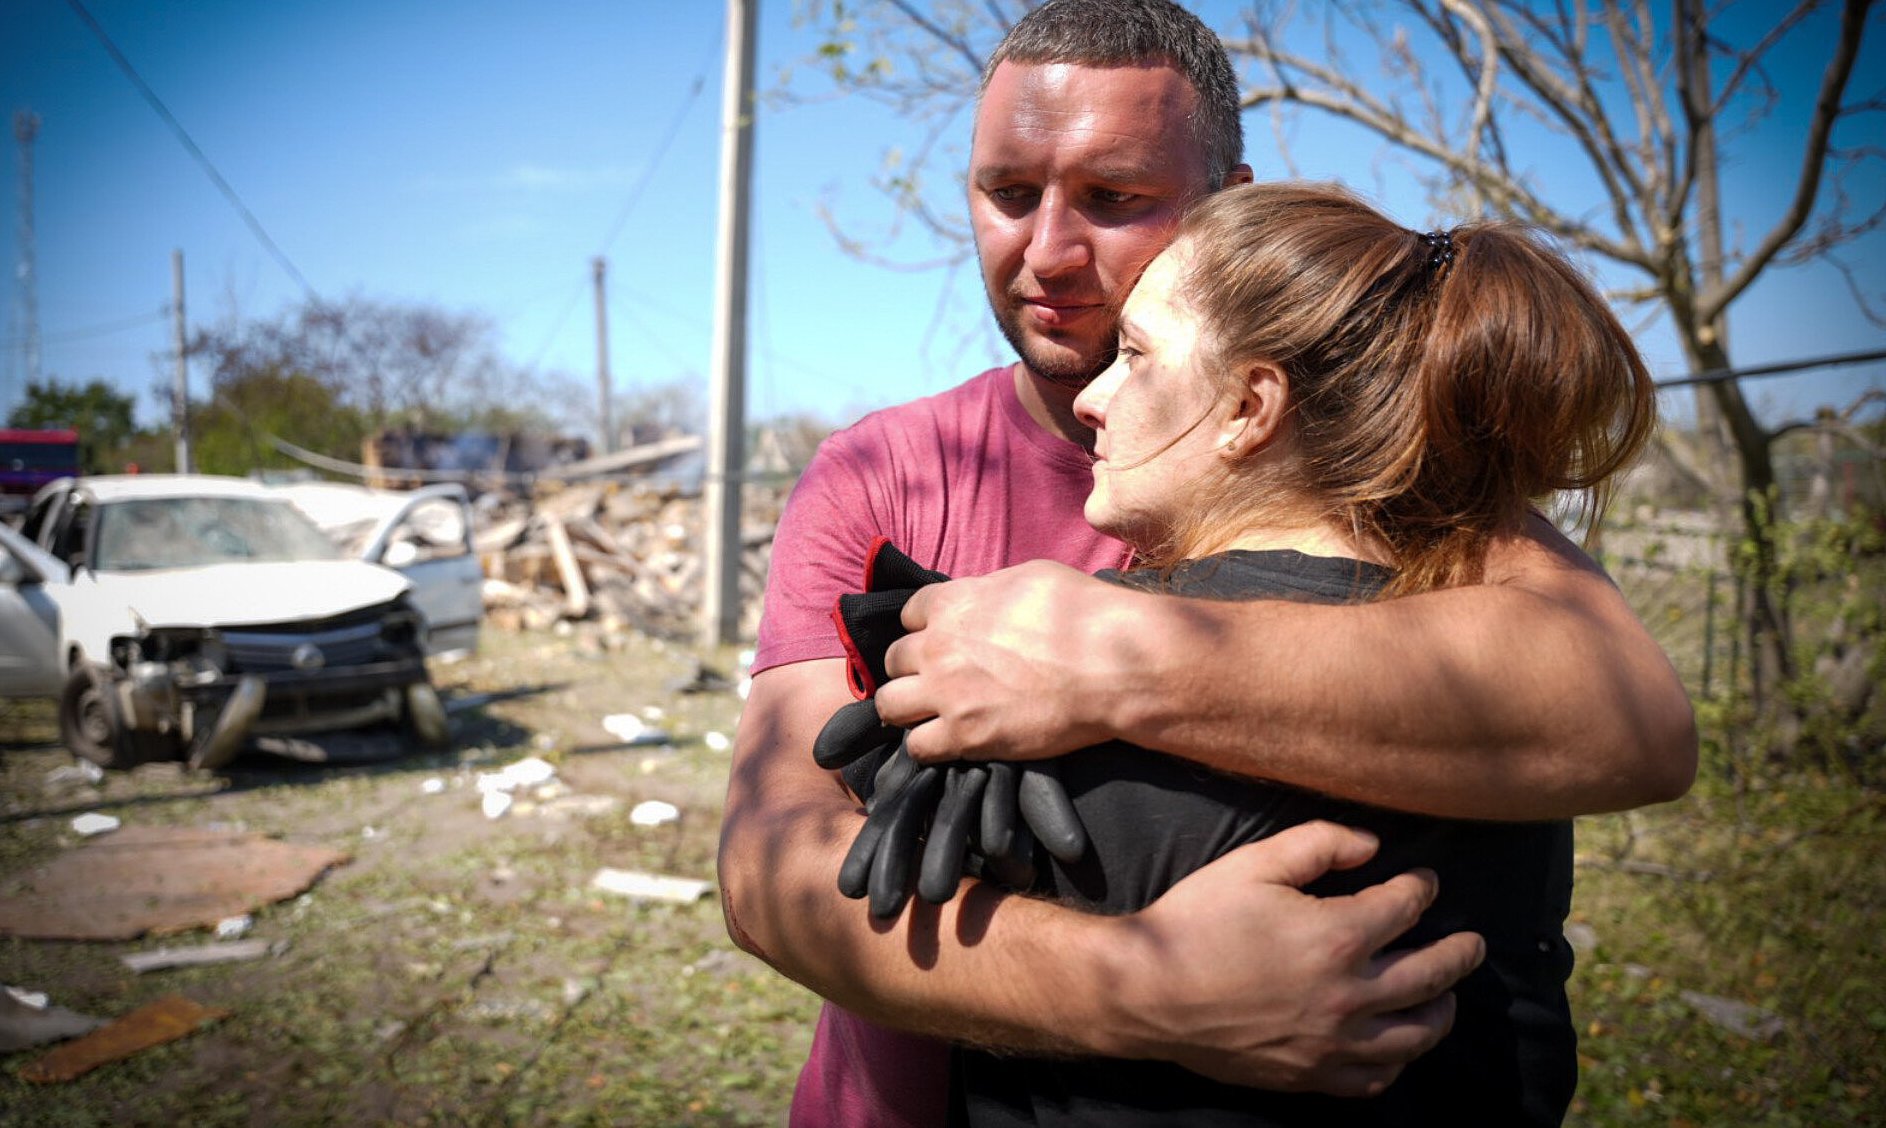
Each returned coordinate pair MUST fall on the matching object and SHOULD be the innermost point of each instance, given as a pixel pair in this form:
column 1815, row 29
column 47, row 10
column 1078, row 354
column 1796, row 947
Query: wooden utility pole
column 180, row 385
column 605, row 397
column 726, row 421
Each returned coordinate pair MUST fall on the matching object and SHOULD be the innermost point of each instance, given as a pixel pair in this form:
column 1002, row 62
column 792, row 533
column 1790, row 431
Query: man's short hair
column 1120, row 33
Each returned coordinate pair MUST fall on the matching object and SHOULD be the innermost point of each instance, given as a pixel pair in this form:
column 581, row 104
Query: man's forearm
column 1537, row 694
column 1537, row 697
column 962, row 971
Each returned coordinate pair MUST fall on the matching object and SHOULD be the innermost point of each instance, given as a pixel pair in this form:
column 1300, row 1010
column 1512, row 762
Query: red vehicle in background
column 31, row 458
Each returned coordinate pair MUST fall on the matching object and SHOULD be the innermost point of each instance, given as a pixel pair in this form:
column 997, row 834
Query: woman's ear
column 1257, row 419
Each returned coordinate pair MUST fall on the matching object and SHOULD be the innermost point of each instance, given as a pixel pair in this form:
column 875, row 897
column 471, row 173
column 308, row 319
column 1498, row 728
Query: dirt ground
column 458, row 969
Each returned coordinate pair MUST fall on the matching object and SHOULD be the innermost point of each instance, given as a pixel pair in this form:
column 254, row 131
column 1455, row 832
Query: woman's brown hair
column 1439, row 385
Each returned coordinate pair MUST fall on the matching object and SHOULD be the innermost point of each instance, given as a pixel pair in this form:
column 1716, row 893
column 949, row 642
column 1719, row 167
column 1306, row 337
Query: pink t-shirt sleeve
column 818, row 555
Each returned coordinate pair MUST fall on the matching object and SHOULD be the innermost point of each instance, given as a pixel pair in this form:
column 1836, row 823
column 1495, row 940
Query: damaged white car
column 201, row 615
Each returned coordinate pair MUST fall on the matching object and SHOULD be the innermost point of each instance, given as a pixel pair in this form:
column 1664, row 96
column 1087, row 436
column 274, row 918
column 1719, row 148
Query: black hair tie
column 1440, row 245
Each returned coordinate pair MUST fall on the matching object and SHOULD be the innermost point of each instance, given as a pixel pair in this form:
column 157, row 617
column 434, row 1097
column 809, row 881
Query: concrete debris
column 654, row 813
column 164, row 1020
column 649, row 886
column 94, row 823
column 235, row 951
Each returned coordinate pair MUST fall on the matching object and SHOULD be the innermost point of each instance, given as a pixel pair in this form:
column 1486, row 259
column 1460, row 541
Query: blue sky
column 478, row 155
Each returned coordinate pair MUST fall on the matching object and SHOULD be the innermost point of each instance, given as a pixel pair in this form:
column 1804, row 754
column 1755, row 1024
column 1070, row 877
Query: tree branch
column 1814, row 152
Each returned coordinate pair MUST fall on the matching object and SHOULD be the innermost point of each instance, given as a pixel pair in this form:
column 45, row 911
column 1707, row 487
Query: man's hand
column 1242, row 978
column 996, row 666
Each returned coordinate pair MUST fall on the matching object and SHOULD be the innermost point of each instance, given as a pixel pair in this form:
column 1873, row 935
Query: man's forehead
column 1124, row 123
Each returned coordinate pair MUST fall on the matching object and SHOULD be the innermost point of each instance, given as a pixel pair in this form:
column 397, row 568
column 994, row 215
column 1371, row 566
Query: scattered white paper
column 717, row 741
column 432, row 786
column 231, row 928
column 528, row 772
column 495, row 803
column 654, row 813
column 631, row 729
column 650, row 886
column 95, row 823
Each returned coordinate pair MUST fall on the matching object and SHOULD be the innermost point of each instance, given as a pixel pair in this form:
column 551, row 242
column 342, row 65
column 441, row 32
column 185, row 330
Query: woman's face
column 1159, row 421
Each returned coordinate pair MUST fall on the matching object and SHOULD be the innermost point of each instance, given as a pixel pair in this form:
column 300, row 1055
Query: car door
column 428, row 539
column 30, row 581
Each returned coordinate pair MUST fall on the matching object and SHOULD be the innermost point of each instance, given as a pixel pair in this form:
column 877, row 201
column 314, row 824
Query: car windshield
column 186, row 532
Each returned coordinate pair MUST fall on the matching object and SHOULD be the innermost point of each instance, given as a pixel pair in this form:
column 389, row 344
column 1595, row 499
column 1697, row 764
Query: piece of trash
column 653, row 712
column 717, row 741
column 370, row 832
column 528, row 772
column 163, row 1020
column 650, row 886
column 432, row 786
column 35, row 999
column 1746, row 1019
column 631, row 729
column 654, row 813
column 84, row 771
column 94, row 823
column 157, row 959
column 28, row 1018
column 157, row 879
column 231, row 928
column 495, row 803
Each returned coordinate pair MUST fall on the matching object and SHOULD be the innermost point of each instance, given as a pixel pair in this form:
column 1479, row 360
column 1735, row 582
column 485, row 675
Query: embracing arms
column 1233, row 973
column 1537, row 694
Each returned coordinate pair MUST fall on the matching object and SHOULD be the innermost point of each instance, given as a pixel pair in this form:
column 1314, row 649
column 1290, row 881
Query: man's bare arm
column 1233, row 973
column 1537, row 694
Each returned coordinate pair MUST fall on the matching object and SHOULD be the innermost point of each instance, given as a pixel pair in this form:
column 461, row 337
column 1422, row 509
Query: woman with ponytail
column 1311, row 402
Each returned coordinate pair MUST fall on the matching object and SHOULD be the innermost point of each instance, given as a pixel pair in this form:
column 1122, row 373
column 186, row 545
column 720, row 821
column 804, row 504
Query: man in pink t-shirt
column 1099, row 121
column 968, row 483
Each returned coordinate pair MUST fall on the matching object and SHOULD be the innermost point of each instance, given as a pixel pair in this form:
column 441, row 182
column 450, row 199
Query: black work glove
column 964, row 817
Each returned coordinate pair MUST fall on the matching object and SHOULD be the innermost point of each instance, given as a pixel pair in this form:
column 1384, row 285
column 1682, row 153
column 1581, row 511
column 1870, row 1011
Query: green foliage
column 231, row 434
column 103, row 416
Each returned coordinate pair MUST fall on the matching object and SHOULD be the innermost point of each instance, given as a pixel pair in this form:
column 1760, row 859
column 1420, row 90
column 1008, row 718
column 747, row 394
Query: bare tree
column 1646, row 98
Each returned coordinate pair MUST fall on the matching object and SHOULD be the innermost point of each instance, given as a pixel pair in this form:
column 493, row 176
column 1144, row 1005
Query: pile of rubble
column 625, row 554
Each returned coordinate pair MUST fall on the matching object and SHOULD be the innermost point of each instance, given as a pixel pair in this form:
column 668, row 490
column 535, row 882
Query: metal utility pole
column 25, row 129
column 726, row 419
column 180, row 384
column 604, row 392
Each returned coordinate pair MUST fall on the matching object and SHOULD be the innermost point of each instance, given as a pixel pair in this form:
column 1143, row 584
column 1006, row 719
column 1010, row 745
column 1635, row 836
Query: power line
column 1780, row 368
column 98, row 330
column 661, row 150
column 183, row 136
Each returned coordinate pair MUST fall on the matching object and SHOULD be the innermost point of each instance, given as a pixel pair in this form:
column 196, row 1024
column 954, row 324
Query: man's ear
column 1257, row 419
column 1240, row 174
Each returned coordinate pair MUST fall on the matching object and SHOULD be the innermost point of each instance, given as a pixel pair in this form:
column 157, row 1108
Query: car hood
column 227, row 595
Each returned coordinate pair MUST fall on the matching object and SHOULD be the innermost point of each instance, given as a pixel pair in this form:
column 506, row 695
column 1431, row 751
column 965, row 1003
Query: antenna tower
column 25, row 129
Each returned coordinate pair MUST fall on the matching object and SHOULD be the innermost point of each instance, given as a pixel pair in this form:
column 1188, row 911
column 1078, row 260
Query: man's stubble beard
column 1070, row 373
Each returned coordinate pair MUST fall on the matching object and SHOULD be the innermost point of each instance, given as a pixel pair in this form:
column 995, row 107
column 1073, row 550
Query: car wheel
column 89, row 721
